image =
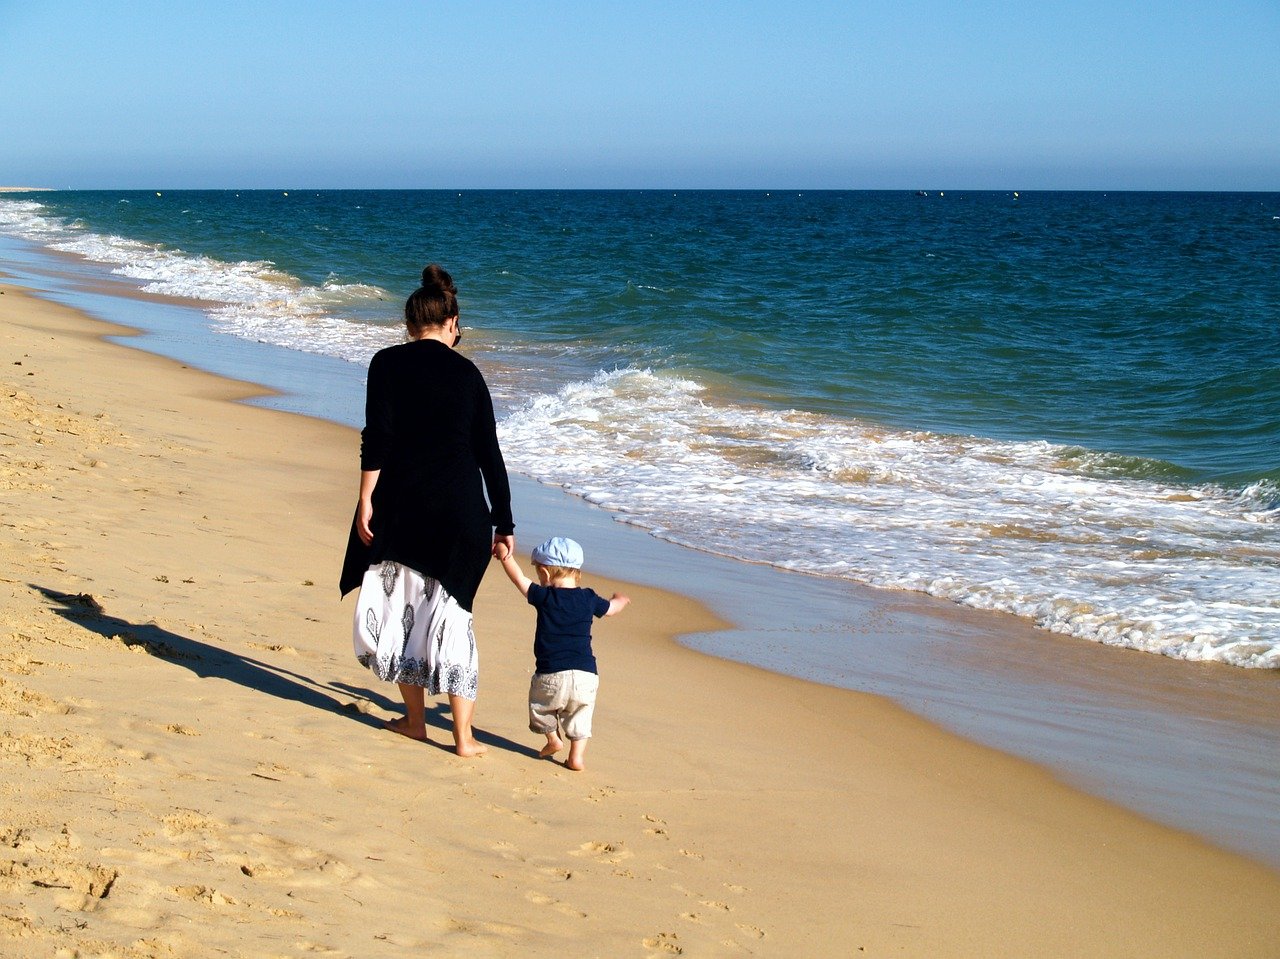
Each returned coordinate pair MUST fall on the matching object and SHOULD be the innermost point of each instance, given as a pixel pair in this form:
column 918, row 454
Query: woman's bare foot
column 553, row 746
column 469, row 748
column 464, row 743
column 402, row 727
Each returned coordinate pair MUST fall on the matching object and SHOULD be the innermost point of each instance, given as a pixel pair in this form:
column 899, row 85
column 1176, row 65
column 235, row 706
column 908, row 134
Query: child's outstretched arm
column 617, row 603
column 512, row 568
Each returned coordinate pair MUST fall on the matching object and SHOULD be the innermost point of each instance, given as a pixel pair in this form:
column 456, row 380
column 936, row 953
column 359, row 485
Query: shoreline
column 682, row 813
column 1191, row 745
column 207, row 694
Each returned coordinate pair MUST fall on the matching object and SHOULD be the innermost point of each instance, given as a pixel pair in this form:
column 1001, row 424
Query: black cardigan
column 429, row 428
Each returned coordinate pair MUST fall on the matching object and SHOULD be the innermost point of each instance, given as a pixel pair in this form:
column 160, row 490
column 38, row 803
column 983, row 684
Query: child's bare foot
column 553, row 746
column 402, row 727
column 577, row 749
column 469, row 748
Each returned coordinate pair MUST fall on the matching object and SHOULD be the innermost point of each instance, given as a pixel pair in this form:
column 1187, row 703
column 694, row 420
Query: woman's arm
column 379, row 415
column 375, row 438
column 364, row 513
column 484, row 444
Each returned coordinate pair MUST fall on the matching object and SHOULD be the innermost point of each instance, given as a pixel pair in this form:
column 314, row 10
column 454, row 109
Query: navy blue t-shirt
column 563, row 637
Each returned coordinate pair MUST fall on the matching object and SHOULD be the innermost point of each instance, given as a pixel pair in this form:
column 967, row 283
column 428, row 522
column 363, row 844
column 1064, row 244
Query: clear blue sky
column 1183, row 94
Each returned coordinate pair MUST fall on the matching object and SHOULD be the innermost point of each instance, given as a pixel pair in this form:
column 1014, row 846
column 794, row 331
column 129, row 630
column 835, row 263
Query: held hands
column 503, row 546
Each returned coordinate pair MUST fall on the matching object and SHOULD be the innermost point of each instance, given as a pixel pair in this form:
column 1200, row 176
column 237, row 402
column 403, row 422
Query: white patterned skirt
column 409, row 630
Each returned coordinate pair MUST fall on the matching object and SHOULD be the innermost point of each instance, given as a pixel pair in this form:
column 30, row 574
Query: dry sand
column 191, row 763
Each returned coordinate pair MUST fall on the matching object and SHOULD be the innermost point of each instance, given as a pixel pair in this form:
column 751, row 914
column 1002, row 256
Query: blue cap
column 558, row 551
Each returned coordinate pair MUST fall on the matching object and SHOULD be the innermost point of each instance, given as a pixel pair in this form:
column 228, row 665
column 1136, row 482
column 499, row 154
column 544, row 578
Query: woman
column 423, row 533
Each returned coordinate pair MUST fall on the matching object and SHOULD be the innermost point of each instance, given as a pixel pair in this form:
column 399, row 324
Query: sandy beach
column 193, row 764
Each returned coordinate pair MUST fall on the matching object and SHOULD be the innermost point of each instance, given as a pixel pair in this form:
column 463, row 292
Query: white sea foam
column 248, row 298
column 1191, row 573
column 29, row 219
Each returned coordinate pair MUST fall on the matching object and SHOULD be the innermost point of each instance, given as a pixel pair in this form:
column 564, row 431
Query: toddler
column 562, row 694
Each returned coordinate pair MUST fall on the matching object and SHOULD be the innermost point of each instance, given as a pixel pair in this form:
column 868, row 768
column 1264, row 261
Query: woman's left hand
column 507, row 540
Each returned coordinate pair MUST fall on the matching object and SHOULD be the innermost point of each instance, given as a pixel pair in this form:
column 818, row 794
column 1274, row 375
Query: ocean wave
column 249, row 298
column 1260, row 501
column 30, row 219
column 1191, row 572
column 1118, row 550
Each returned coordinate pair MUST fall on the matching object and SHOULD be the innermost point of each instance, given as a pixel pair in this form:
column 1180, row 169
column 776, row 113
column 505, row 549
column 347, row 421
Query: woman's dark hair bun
column 436, row 279
column 431, row 304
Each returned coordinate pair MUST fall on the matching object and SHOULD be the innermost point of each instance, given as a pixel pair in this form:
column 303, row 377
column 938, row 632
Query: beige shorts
column 564, row 700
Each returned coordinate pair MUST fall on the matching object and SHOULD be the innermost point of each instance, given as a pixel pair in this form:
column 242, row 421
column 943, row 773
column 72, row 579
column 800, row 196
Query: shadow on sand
column 214, row 662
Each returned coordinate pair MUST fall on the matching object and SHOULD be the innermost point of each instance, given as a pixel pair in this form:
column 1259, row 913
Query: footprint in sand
column 507, row 850
column 267, row 770
column 80, row 886
column 19, row 701
column 611, row 852
column 206, row 895
column 15, row 838
column 538, row 899
column 46, row 751
column 264, row 870
column 319, row 949
column 16, row 927
column 564, row 875
column 19, row 664
column 664, row 943
column 274, row 648
column 514, row 813
column 188, row 822
column 305, row 867
column 146, row 647
column 129, row 752
column 172, row 946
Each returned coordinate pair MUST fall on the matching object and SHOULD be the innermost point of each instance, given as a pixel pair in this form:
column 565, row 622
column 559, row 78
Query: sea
column 1058, row 407
column 1063, row 406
